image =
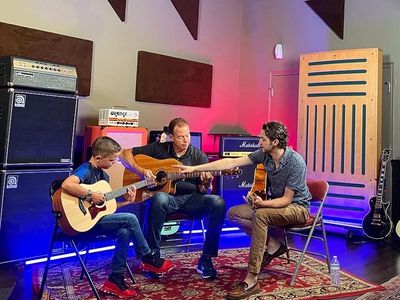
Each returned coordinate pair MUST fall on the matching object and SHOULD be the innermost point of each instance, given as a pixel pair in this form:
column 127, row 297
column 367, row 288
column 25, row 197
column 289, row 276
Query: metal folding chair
column 179, row 218
column 318, row 190
column 84, row 240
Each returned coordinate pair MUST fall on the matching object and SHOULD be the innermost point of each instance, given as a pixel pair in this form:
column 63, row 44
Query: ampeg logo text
column 12, row 182
column 20, row 100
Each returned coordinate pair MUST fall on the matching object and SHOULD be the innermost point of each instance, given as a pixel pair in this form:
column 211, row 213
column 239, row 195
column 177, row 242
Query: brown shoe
column 241, row 290
column 267, row 258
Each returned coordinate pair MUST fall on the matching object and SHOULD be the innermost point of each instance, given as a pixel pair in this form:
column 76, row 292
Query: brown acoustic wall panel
column 51, row 47
column 171, row 80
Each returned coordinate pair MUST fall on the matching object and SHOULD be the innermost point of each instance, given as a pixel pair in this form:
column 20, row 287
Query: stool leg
column 89, row 278
column 130, row 273
column 46, row 268
column 190, row 237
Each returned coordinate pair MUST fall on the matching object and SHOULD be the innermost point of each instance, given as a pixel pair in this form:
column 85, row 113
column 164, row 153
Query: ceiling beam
column 331, row 12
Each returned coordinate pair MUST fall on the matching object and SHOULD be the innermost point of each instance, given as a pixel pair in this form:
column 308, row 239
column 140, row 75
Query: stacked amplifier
column 232, row 189
column 38, row 106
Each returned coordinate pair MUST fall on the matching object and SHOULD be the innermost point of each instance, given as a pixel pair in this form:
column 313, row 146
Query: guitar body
column 72, row 219
column 160, row 168
column 259, row 187
column 376, row 224
column 166, row 175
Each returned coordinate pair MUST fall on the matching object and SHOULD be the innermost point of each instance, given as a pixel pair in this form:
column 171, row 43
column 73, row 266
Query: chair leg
column 286, row 243
column 85, row 261
column 46, row 268
column 328, row 259
column 190, row 236
column 130, row 273
column 203, row 230
column 302, row 255
column 89, row 278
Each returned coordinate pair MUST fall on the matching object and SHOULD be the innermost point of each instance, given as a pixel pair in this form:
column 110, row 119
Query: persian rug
column 391, row 292
column 183, row 282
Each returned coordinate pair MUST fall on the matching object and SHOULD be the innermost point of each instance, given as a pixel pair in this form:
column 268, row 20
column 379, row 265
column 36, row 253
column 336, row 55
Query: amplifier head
column 235, row 146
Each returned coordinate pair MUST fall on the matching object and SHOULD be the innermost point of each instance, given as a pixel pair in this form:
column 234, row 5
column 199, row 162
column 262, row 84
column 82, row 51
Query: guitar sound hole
column 161, row 177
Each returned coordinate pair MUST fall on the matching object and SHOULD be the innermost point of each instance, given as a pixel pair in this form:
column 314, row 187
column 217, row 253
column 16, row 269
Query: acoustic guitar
column 78, row 215
column 259, row 186
column 166, row 175
column 398, row 229
column 377, row 223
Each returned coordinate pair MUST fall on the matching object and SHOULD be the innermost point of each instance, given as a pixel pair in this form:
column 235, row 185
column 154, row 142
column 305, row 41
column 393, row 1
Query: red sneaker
column 111, row 288
column 165, row 267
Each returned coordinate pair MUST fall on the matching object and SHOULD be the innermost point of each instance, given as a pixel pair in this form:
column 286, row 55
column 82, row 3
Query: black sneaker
column 153, row 263
column 118, row 280
column 153, row 258
column 205, row 268
column 115, row 285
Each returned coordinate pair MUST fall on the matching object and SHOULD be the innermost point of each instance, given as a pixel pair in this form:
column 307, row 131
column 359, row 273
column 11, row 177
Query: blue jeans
column 197, row 206
column 124, row 228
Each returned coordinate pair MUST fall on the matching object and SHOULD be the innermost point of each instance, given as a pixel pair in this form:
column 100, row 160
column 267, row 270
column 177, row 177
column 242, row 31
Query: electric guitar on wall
column 377, row 223
column 166, row 175
column 78, row 215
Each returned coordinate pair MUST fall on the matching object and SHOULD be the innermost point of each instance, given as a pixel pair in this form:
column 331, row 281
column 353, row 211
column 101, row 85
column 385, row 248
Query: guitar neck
column 177, row 175
column 122, row 191
column 381, row 185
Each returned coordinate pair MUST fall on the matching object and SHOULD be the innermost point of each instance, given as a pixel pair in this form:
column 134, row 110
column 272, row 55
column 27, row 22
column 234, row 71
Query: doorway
column 283, row 101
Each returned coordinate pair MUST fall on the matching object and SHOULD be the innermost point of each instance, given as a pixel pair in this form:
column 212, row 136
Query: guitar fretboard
column 177, row 175
column 381, row 184
column 122, row 191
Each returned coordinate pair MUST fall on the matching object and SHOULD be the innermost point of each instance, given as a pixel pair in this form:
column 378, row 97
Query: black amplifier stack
column 232, row 189
column 38, row 107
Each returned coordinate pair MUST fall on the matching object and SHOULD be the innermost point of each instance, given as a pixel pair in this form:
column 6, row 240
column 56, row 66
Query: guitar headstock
column 232, row 172
column 386, row 153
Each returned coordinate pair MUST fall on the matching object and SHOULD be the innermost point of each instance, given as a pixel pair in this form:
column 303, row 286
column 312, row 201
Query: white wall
column 368, row 24
column 265, row 23
column 151, row 25
column 375, row 24
column 235, row 36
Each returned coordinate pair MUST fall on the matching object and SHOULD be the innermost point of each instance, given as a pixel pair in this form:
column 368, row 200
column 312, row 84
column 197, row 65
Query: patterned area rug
column 184, row 283
column 392, row 291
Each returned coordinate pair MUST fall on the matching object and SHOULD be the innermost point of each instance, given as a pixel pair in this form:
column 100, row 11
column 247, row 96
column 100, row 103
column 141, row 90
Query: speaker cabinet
column 37, row 128
column 234, row 146
column 26, row 219
column 233, row 188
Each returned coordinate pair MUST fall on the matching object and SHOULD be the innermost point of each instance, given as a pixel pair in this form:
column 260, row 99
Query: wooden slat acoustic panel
column 171, row 80
column 51, row 47
column 339, row 126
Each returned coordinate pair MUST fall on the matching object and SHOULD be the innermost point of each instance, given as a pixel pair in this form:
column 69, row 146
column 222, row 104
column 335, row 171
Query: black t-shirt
column 192, row 157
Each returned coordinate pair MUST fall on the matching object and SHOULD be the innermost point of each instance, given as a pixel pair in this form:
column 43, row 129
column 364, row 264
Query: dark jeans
column 197, row 206
column 124, row 228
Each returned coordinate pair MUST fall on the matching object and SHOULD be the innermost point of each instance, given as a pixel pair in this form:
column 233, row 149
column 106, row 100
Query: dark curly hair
column 275, row 130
